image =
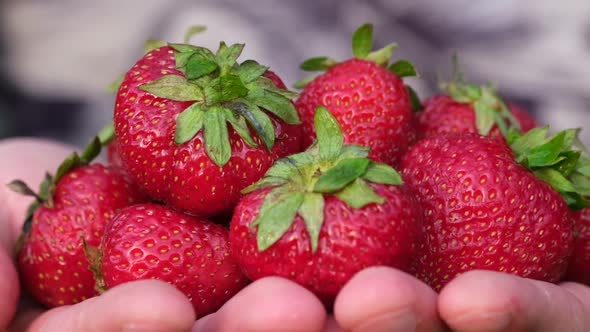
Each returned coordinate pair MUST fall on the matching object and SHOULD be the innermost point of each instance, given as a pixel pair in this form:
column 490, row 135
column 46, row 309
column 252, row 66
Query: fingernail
column 485, row 321
column 404, row 320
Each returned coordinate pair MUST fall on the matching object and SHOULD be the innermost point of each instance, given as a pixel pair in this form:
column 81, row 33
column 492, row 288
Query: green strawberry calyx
column 489, row 108
column 223, row 91
column 362, row 48
column 301, row 181
column 44, row 197
column 94, row 256
column 151, row 44
column 560, row 160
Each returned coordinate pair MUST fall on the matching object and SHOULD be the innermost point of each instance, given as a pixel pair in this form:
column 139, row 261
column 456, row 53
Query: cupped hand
column 376, row 299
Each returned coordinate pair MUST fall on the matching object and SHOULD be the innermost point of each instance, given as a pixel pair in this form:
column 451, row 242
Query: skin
column 376, row 299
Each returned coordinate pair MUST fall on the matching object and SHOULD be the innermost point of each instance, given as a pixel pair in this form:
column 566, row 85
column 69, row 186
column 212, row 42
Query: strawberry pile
column 219, row 175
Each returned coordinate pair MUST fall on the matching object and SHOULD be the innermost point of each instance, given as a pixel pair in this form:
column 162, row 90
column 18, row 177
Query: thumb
column 146, row 305
column 9, row 290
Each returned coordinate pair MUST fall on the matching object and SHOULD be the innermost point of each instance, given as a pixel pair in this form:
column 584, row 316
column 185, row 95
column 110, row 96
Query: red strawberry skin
column 579, row 266
column 52, row 261
column 114, row 156
column 441, row 115
column 183, row 175
column 484, row 211
column 350, row 240
column 149, row 241
column 371, row 104
column 525, row 119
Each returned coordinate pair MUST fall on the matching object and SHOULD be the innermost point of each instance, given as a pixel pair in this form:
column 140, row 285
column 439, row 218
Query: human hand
column 138, row 306
column 376, row 299
column 384, row 299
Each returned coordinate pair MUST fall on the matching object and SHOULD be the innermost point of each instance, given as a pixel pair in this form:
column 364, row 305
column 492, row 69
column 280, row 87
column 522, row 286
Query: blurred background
column 57, row 57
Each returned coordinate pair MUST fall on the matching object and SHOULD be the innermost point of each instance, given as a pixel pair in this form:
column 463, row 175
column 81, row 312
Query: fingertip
column 478, row 300
column 147, row 304
column 160, row 301
column 382, row 299
column 268, row 304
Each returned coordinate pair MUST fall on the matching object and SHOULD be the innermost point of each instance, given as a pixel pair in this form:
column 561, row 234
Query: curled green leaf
column 189, row 123
column 239, row 125
column 258, row 120
column 197, row 67
column 312, row 212
column 362, row 41
column 382, row 56
column 359, row 194
column 216, row 136
column 328, row 132
column 342, row 174
column 224, row 88
column 174, row 87
column 228, row 55
column 382, row 173
column 274, row 103
column 107, row 133
column 320, row 63
column 276, row 216
column 250, row 70
column 403, row 68
column 192, row 31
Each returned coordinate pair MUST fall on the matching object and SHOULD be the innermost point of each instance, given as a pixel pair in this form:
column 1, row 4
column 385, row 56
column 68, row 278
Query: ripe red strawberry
column 330, row 213
column 483, row 210
column 149, row 241
column 526, row 120
column 442, row 114
column 193, row 127
column 579, row 265
column 369, row 100
column 468, row 108
column 71, row 208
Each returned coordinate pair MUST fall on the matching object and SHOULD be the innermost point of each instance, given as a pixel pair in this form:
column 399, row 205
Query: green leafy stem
column 223, row 92
column 300, row 182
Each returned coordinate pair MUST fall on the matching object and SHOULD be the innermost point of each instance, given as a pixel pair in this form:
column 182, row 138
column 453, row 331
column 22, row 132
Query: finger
column 9, row 289
column 146, row 305
column 28, row 311
column 493, row 301
column 27, row 159
column 582, row 292
column 269, row 304
column 385, row 299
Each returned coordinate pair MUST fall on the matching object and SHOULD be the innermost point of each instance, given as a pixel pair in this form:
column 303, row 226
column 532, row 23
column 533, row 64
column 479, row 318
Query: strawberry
column 443, row 114
column 322, row 215
column 369, row 99
column 467, row 108
column 113, row 155
column 149, row 241
column 579, row 265
column 71, row 208
column 194, row 127
column 526, row 120
column 485, row 210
